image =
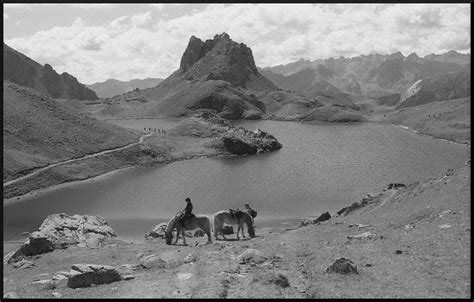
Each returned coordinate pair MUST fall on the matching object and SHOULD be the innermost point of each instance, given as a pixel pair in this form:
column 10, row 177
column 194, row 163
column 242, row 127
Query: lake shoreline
column 72, row 182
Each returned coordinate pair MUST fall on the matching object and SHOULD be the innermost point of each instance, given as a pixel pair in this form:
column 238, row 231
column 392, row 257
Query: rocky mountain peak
column 220, row 58
column 222, row 36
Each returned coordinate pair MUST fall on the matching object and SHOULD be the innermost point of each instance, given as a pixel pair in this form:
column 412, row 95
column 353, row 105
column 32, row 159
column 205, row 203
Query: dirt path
column 140, row 140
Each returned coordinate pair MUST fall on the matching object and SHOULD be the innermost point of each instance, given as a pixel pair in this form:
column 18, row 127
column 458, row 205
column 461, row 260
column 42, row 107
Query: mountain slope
column 441, row 88
column 22, row 70
column 218, row 74
column 371, row 75
column 37, row 131
column 114, row 87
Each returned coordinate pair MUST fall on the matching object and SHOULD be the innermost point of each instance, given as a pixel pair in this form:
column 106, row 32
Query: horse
column 190, row 223
column 224, row 216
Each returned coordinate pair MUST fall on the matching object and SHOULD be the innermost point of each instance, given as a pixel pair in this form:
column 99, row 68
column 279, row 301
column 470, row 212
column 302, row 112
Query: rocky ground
column 410, row 241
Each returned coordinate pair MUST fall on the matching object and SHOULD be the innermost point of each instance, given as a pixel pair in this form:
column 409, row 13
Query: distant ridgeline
column 20, row 69
column 114, row 87
column 384, row 77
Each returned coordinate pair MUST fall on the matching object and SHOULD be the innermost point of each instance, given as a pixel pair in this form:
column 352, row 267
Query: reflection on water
column 320, row 168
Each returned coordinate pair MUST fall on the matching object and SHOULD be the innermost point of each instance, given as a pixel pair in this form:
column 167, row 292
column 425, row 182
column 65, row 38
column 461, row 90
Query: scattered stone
column 140, row 255
column 22, row 264
column 366, row 235
column 59, row 231
column 56, row 295
column 278, row 279
column 398, row 252
column 251, row 256
column 84, row 275
column 11, row 295
column 359, row 225
column 394, row 186
column 152, row 261
column 342, row 266
column 126, row 269
column 368, row 264
column 128, row 277
column 45, row 281
column 190, row 258
column 184, row 276
column 444, row 226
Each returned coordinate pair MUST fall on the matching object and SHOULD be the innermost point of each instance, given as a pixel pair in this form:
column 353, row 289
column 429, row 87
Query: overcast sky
column 96, row 42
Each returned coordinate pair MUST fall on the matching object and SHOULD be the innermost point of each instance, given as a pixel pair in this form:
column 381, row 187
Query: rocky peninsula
column 203, row 134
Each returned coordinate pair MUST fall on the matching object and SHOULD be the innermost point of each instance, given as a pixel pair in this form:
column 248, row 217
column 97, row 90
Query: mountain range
column 22, row 70
column 113, row 87
column 371, row 76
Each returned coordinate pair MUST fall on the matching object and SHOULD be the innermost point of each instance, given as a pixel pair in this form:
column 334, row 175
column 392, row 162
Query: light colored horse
column 224, row 216
column 191, row 223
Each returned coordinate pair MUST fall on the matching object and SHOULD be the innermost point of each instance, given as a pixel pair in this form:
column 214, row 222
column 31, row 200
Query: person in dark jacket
column 187, row 212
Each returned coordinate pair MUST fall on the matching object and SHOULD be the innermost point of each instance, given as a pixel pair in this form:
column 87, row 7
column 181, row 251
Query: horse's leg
column 177, row 235
column 184, row 237
column 238, row 230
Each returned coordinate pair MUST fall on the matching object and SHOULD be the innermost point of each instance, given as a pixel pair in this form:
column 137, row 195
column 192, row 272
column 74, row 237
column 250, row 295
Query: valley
column 379, row 142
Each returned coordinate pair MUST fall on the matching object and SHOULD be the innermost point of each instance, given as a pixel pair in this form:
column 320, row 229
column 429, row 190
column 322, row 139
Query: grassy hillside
column 37, row 131
column 447, row 119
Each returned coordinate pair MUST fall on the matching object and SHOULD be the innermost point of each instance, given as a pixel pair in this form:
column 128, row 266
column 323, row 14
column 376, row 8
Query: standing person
column 250, row 211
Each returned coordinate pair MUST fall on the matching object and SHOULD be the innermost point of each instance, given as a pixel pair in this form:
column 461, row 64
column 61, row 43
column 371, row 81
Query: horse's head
column 169, row 231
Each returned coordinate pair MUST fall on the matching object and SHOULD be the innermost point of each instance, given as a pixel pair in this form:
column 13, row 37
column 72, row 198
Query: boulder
column 321, row 218
column 152, row 261
column 84, row 275
column 242, row 141
column 59, row 231
column 23, row 264
column 365, row 235
column 157, row 231
column 343, row 266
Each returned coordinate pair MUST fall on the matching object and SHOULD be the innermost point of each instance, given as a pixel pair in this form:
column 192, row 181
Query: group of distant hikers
column 188, row 211
column 148, row 130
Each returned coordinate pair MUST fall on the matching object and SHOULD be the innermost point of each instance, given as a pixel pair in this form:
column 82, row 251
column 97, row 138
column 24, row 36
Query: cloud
column 5, row 16
column 17, row 5
column 142, row 45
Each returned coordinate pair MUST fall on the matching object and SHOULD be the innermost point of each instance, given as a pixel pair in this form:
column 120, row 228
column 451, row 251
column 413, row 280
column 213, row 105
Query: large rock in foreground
column 84, row 275
column 59, row 231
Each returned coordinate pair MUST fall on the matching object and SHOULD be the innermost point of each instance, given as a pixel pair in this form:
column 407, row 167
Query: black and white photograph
column 237, row 150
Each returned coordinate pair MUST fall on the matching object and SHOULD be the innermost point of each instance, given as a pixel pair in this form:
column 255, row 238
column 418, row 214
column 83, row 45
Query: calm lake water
column 321, row 167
